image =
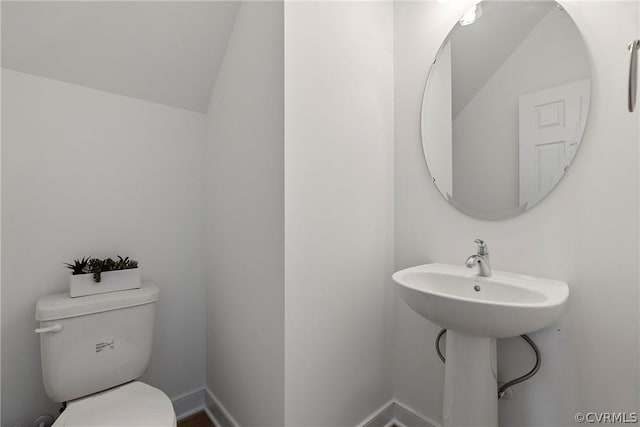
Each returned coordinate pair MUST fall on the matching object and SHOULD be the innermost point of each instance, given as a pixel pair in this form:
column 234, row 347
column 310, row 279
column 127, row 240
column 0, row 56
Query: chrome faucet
column 481, row 259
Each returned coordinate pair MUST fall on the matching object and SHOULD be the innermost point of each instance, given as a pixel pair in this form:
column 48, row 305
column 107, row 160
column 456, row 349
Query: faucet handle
column 482, row 247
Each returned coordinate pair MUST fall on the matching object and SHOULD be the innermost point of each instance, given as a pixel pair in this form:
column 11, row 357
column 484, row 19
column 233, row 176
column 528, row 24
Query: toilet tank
column 95, row 342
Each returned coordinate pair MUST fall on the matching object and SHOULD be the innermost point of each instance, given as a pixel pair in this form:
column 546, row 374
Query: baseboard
column 404, row 416
column 382, row 417
column 394, row 413
column 389, row 414
column 216, row 412
column 210, row 416
column 188, row 403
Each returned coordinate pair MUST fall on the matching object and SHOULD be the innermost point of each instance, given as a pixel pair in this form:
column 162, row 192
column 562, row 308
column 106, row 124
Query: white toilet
column 93, row 348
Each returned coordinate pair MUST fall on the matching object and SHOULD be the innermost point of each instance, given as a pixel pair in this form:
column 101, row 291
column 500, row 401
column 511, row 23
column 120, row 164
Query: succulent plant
column 97, row 266
column 125, row 263
column 79, row 266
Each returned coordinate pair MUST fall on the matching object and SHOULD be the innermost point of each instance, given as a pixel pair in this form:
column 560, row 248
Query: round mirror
column 505, row 106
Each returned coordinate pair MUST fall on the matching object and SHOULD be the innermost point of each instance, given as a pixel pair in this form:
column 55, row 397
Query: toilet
column 93, row 349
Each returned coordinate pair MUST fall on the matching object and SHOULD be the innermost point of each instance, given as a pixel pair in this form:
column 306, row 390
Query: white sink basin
column 503, row 305
column 475, row 311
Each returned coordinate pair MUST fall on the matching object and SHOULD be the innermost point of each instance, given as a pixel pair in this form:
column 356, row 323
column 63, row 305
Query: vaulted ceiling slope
column 488, row 42
column 167, row 52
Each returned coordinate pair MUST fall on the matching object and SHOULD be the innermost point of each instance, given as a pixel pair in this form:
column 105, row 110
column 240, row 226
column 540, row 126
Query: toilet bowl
column 133, row 404
column 93, row 350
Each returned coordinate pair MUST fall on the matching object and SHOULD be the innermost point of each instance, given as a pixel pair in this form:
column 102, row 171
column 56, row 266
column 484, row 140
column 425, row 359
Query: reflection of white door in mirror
column 551, row 123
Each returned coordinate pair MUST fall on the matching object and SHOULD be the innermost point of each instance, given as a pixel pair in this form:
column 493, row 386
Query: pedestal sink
column 475, row 311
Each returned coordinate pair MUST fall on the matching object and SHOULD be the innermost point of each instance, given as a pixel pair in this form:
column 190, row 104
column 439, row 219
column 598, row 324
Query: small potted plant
column 90, row 276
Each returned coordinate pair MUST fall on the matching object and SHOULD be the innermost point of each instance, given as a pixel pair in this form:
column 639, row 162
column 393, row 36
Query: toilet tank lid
column 62, row 306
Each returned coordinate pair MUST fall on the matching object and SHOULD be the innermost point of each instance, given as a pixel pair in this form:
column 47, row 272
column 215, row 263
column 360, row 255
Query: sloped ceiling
column 479, row 50
column 160, row 51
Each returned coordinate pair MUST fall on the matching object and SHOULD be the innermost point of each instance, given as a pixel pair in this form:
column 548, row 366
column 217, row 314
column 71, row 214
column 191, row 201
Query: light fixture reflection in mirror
column 471, row 15
column 505, row 106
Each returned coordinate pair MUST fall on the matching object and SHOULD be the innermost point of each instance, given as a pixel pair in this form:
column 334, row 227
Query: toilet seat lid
column 133, row 404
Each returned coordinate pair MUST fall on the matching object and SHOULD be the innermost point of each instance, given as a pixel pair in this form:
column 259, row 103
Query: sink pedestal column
column 470, row 381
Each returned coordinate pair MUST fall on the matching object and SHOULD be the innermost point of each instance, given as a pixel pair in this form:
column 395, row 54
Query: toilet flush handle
column 53, row 328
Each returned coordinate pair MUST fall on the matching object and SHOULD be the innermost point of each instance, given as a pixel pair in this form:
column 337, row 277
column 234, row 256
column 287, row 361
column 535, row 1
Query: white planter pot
column 111, row 281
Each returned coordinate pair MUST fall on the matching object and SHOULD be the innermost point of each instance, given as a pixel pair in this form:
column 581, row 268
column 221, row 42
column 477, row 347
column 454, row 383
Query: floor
column 199, row 419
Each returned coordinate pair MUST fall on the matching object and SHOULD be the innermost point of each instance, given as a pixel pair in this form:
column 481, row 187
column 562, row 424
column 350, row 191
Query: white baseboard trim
column 394, row 413
column 210, row 416
column 216, row 412
column 382, row 417
column 187, row 404
column 389, row 414
column 405, row 416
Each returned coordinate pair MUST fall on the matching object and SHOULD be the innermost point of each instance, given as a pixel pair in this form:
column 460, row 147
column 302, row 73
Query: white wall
column 0, row 236
column 338, row 210
column 85, row 173
column 585, row 232
column 485, row 132
column 245, row 298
